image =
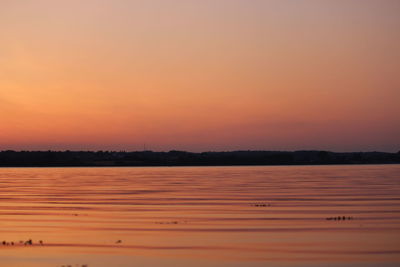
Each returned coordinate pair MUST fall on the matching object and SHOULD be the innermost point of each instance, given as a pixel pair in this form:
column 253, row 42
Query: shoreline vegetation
column 10, row 158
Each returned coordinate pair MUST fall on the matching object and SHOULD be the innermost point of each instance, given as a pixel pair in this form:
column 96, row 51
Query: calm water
column 201, row 216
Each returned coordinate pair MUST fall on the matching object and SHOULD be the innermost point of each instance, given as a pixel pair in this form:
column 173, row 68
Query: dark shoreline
column 11, row 158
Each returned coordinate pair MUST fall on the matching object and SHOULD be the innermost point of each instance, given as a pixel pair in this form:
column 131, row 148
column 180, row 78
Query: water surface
column 201, row 216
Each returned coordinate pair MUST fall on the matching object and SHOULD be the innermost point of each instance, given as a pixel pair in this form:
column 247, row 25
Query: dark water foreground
column 201, row 216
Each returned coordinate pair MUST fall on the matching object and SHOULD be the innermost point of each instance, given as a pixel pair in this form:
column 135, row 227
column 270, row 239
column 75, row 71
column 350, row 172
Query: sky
column 209, row 75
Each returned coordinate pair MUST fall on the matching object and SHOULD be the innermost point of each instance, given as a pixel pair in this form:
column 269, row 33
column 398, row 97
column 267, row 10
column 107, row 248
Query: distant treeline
column 181, row 158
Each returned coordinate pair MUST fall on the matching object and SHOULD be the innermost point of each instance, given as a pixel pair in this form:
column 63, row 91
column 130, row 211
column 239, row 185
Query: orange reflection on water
column 214, row 216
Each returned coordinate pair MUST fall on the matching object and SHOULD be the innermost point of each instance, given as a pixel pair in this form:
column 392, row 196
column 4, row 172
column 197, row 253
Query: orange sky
column 200, row 75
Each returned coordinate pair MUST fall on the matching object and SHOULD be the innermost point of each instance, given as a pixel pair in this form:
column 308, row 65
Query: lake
column 343, row 215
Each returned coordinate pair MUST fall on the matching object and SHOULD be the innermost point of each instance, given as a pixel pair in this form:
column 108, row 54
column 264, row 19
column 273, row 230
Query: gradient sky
column 200, row 75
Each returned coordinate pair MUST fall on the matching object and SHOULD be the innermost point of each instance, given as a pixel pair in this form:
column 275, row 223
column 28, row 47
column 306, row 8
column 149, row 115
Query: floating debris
column 173, row 222
column 261, row 205
column 343, row 218
column 21, row 242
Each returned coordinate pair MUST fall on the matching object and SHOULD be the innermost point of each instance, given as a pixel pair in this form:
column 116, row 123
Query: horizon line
column 185, row 151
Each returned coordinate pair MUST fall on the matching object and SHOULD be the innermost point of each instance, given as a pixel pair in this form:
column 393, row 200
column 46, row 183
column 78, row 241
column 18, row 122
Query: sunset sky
column 200, row 75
